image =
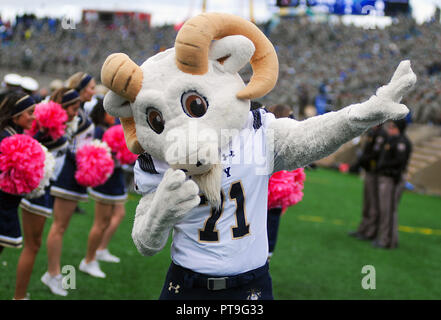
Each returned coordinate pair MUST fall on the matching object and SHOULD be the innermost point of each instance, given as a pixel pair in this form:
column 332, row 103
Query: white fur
column 117, row 105
column 239, row 49
column 157, row 213
column 163, row 87
column 300, row 143
column 296, row 143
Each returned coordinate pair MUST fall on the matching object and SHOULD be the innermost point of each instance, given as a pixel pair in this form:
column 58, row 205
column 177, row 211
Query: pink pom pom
column 343, row 167
column 114, row 137
column 21, row 164
column 285, row 188
column 94, row 165
column 51, row 117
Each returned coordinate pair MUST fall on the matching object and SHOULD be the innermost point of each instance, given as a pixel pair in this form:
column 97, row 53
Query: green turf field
column 314, row 257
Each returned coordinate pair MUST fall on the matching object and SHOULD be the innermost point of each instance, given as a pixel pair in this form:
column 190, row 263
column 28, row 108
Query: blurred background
column 332, row 53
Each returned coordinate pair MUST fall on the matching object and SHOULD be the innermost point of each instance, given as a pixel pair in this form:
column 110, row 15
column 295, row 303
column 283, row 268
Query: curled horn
column 193, row 42
column 121, row 75
column 124, row 77
column 132, row 142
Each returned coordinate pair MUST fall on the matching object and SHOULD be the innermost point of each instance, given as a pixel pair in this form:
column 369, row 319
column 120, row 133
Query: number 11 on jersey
column 209, row 233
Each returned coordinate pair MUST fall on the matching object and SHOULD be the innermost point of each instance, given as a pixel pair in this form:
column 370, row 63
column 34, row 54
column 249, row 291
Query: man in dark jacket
column 375, row 139
column 392, row 164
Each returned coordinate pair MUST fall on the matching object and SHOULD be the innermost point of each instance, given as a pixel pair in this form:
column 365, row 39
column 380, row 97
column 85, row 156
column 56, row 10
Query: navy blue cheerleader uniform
column 43, row 205
column 273, row 222
column 113, row 190
column 10, row 231
column 66, row 186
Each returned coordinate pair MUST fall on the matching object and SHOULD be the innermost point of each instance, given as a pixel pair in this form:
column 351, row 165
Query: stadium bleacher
column 342, row 64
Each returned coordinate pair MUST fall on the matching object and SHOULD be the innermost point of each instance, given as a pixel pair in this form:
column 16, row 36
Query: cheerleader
column 36, row 211
column 66, row 190
column 16, row 115
column 84, row 84
column 109, row 205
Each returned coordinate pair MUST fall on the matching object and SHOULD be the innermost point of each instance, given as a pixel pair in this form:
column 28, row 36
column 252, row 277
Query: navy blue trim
column 51, row 144
column 84, row 122
column 10, row 130
column 23, row 104
column 146, row 163
column 257, row 122
column 83, row 83
column 5, row 243
column 69, row 97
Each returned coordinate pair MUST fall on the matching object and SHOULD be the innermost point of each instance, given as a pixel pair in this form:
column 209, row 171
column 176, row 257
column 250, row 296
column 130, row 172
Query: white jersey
column 83, row 134
column 232, row 240
column 59, row 154
column 57, row 148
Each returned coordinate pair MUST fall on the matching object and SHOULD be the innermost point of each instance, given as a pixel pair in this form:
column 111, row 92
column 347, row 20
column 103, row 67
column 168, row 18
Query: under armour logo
column 225, row 156
column 171, row 287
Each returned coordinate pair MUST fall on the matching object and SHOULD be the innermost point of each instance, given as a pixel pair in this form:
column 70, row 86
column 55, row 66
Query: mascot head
column 176, row 104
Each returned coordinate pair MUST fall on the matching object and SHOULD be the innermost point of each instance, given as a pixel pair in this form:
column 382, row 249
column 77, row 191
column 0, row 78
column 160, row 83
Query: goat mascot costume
column 213, row 192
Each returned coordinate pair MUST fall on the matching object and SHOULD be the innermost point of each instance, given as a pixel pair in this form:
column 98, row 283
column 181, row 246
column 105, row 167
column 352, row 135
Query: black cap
column 401, row 124
column 23, row 104
column 69, row 97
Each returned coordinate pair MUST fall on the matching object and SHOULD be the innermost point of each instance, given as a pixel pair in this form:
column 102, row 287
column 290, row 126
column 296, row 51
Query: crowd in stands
column 322, row 64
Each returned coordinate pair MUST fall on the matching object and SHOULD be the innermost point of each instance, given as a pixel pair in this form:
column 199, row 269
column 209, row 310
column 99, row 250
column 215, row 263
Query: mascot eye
column 155, row 120
column 194, row 104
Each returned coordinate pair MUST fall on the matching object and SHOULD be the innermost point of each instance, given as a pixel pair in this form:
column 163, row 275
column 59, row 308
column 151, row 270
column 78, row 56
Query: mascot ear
column 124, row 78
column 232, row 51
column 116, row 105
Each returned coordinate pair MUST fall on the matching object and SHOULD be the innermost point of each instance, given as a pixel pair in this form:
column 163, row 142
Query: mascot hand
column 174, row 197
column 157, row 213
column 385, row 104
